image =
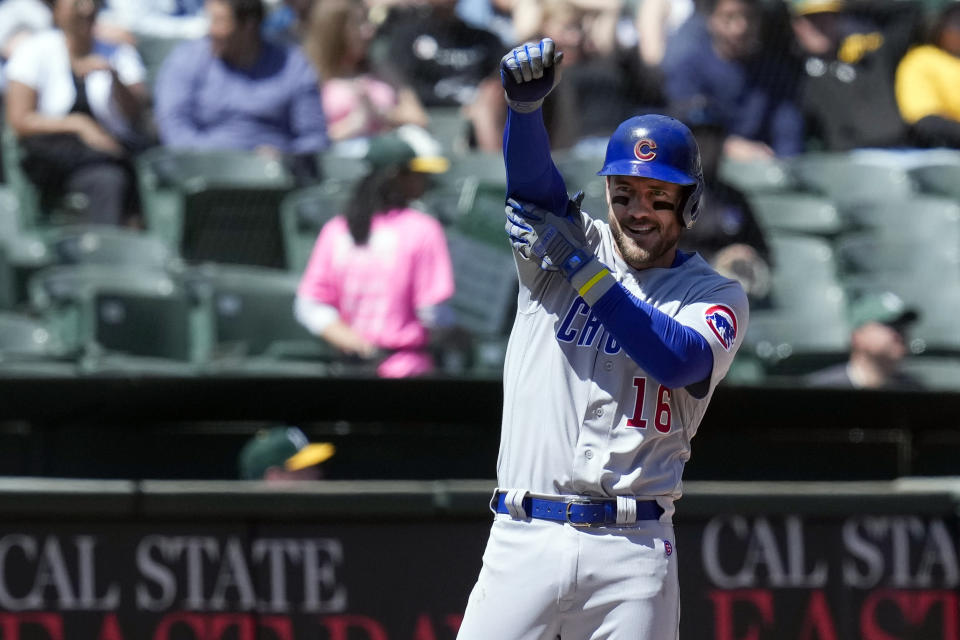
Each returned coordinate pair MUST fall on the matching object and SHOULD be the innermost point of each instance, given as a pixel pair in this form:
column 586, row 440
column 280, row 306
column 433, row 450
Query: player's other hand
column 529, row 73
column 558, row 242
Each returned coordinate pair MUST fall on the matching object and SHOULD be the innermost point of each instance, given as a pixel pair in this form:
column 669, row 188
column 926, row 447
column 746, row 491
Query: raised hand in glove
column 530, row 72
column 560, row 243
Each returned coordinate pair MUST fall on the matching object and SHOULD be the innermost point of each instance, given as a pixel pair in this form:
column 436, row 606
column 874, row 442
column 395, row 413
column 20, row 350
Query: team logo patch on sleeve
column 723, row 322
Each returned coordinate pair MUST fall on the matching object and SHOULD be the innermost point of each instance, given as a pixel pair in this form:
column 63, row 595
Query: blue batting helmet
column 659, row 147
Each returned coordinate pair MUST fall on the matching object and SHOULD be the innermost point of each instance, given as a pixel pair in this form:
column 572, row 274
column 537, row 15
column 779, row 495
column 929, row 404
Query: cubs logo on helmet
column 723, row 322
column 645, row 149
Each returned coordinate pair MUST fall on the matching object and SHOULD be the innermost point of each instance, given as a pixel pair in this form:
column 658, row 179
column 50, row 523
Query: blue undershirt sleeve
column 531, row 174
column 674, row 354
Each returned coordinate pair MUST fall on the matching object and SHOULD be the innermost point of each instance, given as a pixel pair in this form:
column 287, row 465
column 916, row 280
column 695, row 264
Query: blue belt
column 580, row 512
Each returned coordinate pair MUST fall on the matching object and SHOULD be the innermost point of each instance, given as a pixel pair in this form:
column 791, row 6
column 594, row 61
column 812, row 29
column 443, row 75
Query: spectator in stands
column 18, row 20
column 928, row 84
column 849, row 53
column 379, row 274
column 732, row 73
column 235, row 90
column 288, row 22
column 75, row 104
column 593, row 65
column 447, row 62
column 727, row 233
column 356, row 103
column 655, row 21
column 178, row 19
column 283, row 454
column 877, row 347
column 491, row 15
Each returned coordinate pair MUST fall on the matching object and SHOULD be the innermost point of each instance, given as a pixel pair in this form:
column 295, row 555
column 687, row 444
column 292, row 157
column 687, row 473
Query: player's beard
column 639, row 256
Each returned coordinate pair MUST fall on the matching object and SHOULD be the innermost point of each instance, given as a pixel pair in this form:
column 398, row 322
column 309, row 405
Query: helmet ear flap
column 689, row 210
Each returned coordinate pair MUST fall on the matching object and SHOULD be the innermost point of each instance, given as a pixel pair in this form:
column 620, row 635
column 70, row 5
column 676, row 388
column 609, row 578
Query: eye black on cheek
column 621, row 200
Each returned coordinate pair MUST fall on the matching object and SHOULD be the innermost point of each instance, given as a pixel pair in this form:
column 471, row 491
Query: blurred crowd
column 778, row 77
column 85, row 92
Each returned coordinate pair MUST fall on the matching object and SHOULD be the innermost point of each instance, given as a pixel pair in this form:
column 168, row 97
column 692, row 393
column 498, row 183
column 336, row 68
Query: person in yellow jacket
column 928, row 84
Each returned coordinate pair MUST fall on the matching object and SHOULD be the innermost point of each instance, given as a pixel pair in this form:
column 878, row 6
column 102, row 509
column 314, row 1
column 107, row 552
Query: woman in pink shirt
column 380, row 273
column 356, row 103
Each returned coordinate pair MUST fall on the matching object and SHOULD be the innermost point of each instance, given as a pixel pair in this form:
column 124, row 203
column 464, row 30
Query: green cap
column 885, row 308
column 285, row 447
column 807, row 7
column 406, row 148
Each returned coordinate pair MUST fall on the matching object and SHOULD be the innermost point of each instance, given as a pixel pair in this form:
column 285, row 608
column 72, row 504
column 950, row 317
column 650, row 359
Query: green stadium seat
column 303, row 212
column 755, row 177
column 449, row 126
column 802, row 257
column 102, row 244
column 935, row 218
column 153, row 51
column 864, row 253
column 24, row 337
column 97, row 309
column 838, row 177
column 796, row 212
column 482, row 216
column 788, row 345
column 343, row 168
column 485, row 297
column 943, row 179
column 219, row 206
column 35, row 208
column 937, row 373
column 580, row 173
column 248, row 317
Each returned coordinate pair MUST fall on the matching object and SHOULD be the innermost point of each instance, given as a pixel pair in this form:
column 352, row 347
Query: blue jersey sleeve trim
column 674, row 354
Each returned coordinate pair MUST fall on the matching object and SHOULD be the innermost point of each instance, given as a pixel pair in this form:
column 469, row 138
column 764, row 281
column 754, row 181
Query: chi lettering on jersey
column 581, row 327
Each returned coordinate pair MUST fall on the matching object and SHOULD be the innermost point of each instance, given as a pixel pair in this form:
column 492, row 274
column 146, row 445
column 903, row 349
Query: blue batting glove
column 529, row 73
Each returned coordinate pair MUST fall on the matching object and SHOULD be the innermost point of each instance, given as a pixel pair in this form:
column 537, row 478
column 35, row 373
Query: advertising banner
column 743, row 577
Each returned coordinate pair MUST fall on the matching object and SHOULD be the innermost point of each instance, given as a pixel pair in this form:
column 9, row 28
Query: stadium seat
column 130, row 318
column 102, row 244
column 938, row 373
column 449, row 126
column 756, row 177
column 219, row 206
column 153, row 51
column 802, row 257
column 482, row 213
column 23, row 336
column 450, row 195
column 943, row 179
column 303, row 212
column 839, row 178
column 485, row 297
column 29, row 348
column 248, row 317
column 935, row 218
column 788, row 345
column 796, row 212
column 35, row 208
column 894, row 255
column 581, row 173
column 343, row 168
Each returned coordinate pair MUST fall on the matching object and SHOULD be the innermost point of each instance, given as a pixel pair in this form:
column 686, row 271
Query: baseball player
column 618, row 343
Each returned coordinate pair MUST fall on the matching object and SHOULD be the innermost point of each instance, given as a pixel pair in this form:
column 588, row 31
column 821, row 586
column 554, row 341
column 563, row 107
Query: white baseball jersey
column 580, row 416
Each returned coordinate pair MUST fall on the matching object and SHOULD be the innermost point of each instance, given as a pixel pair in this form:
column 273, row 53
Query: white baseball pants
column 542, row 580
